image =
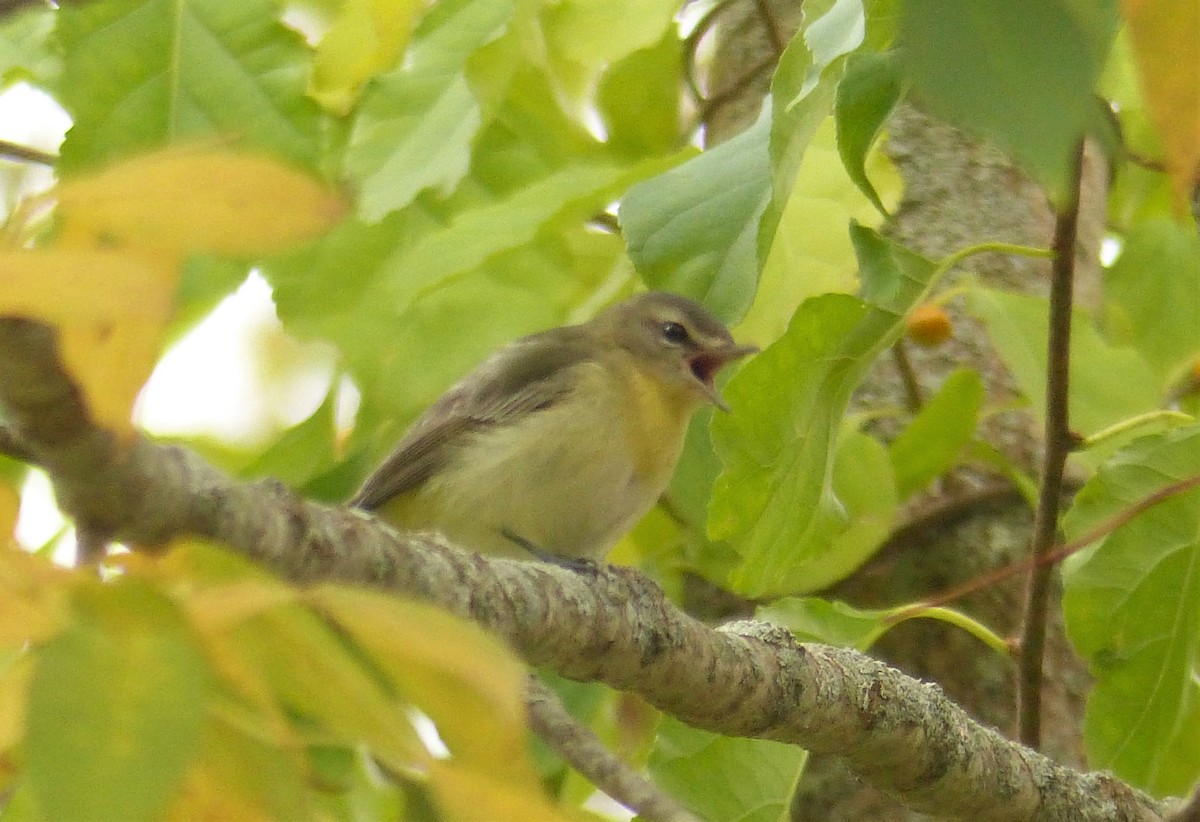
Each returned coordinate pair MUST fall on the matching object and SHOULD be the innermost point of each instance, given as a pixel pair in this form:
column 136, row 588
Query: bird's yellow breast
column 655, row 418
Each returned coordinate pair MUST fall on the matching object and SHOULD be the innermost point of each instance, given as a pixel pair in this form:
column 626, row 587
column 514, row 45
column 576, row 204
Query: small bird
column 556, row 445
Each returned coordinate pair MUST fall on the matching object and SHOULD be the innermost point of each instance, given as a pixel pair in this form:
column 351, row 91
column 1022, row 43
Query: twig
column 731, row 91
column 11, row 446
column 774, row 37
column 1059, row 443
column 1191, row 811
column 908, row 377
column 691, row 44
column 1050, row 558
column 27, row 154
column 586, row 754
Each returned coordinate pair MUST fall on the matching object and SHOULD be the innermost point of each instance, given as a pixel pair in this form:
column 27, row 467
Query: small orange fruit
column 929, row 325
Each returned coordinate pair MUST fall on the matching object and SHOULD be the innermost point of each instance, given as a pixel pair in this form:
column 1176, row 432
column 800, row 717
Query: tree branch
column 615, row 626
column 23, row 153
column 587, row 754
column 1059, row 442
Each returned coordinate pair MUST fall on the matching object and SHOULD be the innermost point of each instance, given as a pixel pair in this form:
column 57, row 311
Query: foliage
column 420, row 183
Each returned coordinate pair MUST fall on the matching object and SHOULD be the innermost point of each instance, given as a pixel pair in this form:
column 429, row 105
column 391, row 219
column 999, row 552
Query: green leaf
column 415, row 124
column 864, row 485
column 116, row 707
column 866, row 97
column 1108, row 384
column 1132, row 605
column 301, row 452
column 775, row 500
column 802, row 95
column 932, row 441
column 692, row 229
column 1150, row 295
column 582, row 37
column 202, row 68
column 638, row 99
column 1021, row 73
column 812, row 239
column 25, row 52
column 725, row 778
column 815, row 619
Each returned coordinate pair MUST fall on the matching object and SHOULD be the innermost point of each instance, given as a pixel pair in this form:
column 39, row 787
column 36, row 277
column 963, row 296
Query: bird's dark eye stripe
column 674, row 332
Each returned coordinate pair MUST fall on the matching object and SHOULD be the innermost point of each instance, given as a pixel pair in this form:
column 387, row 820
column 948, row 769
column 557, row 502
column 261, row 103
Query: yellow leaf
column 221, row 607
column 312, row 671
column 470, row 794
column 190, row 200
column 10, row 507
column 462, row 678
column 110, row 310
column 366, row 37
column 33, row 598
column 1165, row 36
column 207, row 796
column 14, row 689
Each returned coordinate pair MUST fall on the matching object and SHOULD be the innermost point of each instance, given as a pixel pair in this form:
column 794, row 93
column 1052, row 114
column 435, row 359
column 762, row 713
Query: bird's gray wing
column 525, row 377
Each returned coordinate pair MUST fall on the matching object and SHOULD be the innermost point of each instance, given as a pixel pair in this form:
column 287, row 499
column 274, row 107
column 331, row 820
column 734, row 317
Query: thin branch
column 587, row 754
column 774, row 36
column 12, row 447
column 1050, row 557
column 1191, row 811
column 731, row 91
column 8, row 7
column 26, row 154
column 1059, row 443
column 612, row 625
column 908, row 377
column 691, row 44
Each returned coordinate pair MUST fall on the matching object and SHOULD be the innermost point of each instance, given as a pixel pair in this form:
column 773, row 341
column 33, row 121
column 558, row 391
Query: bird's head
column 675, row 340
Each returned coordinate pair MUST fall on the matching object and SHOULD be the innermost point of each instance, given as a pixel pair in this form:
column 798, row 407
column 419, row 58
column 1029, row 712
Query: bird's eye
column 674, row 333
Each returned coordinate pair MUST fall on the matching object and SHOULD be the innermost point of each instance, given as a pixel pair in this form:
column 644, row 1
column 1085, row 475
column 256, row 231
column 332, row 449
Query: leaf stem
column 26, row 154
column 950, row 260
column 908, row 377
column 951, row 617
column 1138, row 421
column 1059, row 443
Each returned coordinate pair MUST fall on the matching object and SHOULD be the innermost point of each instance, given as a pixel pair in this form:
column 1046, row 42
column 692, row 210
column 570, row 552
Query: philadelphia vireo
column 561, row 441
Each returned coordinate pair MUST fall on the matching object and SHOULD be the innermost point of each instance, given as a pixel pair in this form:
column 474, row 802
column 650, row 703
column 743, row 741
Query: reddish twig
column 1059, row 442
column 1050, row 558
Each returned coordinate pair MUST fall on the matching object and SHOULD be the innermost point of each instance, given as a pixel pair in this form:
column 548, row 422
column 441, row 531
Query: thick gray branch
column 615, row 626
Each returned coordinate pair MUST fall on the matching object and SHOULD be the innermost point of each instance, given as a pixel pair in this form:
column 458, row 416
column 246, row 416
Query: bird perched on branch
column 557, row 444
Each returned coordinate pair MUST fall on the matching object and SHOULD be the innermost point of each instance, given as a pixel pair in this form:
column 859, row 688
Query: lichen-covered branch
column 614, row 625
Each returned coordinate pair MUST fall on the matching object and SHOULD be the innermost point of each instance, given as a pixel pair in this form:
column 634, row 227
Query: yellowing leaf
column 14, row 686
column 470, row 794
column 313, row 672
column 462, row 678
column 238, row 776
column 221, row 607
column 366, row 37
column 191, row 200
column 110, row 310
column 1165, row 35
column 204, row 795
column 33, row 598
column 10, row 507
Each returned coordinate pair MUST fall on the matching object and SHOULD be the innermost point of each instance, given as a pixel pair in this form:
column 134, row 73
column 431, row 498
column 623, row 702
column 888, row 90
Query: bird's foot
column 580, row 565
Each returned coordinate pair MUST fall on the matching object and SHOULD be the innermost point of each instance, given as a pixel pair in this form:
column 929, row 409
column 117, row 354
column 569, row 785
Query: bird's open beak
column 707, row 363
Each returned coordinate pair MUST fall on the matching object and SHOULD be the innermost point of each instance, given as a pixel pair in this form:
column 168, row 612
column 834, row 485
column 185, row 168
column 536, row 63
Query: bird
column 558, row 443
